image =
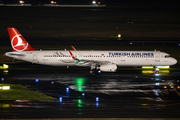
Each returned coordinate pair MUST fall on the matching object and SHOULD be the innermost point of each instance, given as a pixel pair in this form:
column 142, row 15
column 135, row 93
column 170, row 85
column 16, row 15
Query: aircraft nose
column 6, row 54
column 173, row 61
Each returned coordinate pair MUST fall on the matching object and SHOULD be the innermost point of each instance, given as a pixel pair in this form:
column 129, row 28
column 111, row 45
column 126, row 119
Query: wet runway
column 128, row 93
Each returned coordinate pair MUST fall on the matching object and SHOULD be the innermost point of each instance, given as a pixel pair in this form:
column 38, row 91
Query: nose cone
column 6, row 54
column 173, row 61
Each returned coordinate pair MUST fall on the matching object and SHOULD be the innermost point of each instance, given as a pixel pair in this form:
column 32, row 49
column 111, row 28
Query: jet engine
column 108, row 67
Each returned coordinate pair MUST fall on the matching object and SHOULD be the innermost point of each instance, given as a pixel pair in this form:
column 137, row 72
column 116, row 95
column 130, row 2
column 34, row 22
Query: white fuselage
column 87, row 58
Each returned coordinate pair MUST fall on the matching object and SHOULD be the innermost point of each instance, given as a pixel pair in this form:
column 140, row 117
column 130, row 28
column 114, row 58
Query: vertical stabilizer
column 18, row 43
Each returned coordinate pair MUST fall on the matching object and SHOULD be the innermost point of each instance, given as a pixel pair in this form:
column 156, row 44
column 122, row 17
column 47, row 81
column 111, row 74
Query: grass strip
column 19, row 92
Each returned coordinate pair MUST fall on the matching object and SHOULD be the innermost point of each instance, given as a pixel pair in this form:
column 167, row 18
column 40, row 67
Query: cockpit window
column 167, row 56
column 20, row 55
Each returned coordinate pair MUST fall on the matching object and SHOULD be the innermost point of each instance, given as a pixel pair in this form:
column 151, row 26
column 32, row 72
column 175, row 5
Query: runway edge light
column 5, row 66
column 60, row 99
column 4, row 87
column 67, row 89
column 97, row 99
column 119, row 35
column 147, row 67
column 163, row 67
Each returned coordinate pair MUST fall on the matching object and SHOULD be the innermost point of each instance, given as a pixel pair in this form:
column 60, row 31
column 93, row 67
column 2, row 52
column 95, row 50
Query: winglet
column 71, row 54
column 73, row 48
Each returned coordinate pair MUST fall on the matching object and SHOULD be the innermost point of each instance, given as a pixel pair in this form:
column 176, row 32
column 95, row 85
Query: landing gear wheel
column 95, row 71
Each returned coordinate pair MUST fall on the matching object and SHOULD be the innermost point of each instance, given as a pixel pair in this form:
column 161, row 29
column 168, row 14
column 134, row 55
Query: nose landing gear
column 156, row 71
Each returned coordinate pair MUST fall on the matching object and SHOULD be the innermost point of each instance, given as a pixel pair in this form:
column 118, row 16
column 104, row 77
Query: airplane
column 105, row 61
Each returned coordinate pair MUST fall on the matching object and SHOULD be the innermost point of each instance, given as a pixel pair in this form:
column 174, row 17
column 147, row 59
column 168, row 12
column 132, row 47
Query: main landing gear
column 95, row 69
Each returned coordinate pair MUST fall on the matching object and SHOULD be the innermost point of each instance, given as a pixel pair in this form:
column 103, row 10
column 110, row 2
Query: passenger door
column 157, row 57
column 35, row 57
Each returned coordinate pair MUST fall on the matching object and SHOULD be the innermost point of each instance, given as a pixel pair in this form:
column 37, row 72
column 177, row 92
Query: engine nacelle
column 108, row 67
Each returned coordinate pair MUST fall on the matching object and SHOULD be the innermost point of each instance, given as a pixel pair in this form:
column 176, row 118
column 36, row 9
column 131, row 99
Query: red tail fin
column 17, row 41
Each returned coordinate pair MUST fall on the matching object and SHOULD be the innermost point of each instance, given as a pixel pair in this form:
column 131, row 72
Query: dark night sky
column 107, row 2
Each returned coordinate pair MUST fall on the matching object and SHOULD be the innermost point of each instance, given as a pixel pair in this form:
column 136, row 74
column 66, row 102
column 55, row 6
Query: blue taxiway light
column 60, row 99
column 37, row 80
column 67, row 92
column 157, row 74
column 97, row 99
column 2, row 79
column 97, row 104
column 83, row 94
column 157, row 84
column 67, row 89
column 52, row 82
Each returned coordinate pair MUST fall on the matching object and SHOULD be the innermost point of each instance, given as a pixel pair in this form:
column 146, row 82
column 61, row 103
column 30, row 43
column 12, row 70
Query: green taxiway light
column 80, row 82
column 79, row 103
column 80, row 89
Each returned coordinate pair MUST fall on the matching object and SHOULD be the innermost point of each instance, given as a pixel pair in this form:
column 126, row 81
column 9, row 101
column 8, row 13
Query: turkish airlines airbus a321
column 106, row 61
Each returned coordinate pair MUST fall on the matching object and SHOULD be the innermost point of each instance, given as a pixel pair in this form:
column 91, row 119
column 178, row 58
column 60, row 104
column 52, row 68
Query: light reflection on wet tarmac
column 127, row 93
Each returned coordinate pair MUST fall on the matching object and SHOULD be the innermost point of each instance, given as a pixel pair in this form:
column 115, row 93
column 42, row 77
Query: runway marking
column 176, row 91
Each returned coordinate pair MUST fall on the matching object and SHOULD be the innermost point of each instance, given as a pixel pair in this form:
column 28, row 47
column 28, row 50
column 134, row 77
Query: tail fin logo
column 18, row 43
